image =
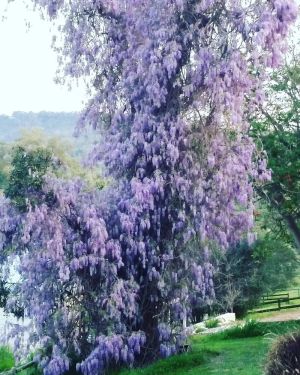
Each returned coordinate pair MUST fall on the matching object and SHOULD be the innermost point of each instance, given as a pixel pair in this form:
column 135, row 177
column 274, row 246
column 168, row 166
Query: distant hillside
column 60, row 124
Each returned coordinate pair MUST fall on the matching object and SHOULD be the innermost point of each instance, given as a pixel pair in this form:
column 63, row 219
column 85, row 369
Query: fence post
column 279, row 304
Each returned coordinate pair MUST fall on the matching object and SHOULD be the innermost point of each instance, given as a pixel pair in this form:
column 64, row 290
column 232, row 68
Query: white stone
column 226, row 318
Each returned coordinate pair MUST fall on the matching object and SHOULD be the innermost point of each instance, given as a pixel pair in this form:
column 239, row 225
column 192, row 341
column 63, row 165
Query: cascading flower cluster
column 109, row 276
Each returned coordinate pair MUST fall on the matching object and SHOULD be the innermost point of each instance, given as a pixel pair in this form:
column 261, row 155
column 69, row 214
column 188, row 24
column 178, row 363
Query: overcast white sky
column 28, row 65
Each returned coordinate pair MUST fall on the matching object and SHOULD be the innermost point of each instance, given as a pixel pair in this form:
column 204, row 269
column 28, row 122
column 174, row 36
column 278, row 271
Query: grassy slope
column 234, row 357
column 218, row 355
column 235, row 352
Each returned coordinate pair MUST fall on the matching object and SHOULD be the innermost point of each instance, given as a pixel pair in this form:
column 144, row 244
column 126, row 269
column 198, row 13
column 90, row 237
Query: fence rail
column 282, row 300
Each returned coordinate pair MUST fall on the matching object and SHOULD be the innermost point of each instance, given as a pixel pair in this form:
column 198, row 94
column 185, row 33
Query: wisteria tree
column 108, row 276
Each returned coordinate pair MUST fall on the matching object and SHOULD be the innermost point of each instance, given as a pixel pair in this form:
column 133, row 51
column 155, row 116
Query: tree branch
column 20, row 368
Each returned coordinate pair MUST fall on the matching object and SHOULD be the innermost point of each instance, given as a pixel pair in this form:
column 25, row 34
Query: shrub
column 284, row 357
column 251, row 328
column 212, row 323
column 199, row 330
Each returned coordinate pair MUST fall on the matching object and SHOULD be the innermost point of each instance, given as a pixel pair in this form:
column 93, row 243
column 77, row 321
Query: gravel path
column 282, row 316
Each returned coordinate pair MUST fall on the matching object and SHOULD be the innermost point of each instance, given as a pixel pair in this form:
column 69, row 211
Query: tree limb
column 20, row 368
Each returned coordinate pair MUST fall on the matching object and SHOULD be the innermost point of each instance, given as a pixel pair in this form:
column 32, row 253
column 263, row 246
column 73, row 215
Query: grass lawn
column 271, row 314
column 218, row 354
column 6, row 359
column 237, row 351
column 233, row 357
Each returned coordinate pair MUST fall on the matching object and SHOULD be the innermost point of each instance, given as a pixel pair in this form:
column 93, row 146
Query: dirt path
column 282, row 316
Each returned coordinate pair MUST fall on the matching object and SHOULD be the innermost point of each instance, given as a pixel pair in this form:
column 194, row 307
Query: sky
column 28, row 64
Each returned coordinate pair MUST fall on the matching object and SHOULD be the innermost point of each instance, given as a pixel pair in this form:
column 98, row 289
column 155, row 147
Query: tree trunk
column 294, row 229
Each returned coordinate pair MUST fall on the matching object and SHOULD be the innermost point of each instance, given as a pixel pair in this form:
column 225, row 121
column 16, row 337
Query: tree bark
column 294, row 229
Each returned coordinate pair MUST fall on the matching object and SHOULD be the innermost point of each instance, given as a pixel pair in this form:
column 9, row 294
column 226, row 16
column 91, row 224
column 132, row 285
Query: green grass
column 6, row 359
column 233, row 357
column 177, row 365
column 270, row 314
column 211, row 323
column 249, row 328
column 236, row 352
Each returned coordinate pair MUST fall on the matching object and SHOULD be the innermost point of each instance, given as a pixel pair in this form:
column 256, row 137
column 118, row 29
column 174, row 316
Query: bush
column 251, row 328
column 284, row 357
column 199, row 330
column 211, row 323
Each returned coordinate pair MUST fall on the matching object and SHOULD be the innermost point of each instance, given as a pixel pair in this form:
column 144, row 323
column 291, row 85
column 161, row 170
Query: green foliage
column 63, row 152
column 5, row 160
column 27, row 176
column 250, row 328
column 176, row 365
column 253, row 328
column 7, row 362
column 277, row 263
column 284, row 357
column 199, row 330
column 6, row 359
column 276, row 129
column 211, row 323
column 283, row 149
column 31, row 158
column 244, row 274
column 34, row 370
column 30, row 371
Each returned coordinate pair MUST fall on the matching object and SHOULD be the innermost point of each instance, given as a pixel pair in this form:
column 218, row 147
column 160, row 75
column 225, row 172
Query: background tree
column 246, row 273
column 26, row 179
column 277, row 131
column 4, row 164
column 64, row 155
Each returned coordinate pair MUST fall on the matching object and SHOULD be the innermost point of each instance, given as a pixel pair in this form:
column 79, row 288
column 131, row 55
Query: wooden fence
column 281, row 300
